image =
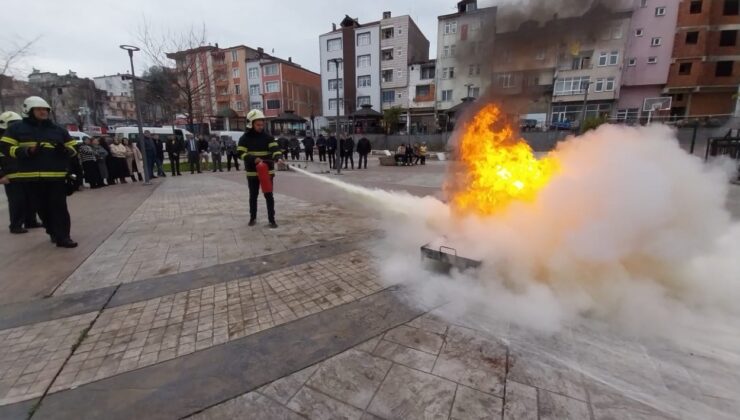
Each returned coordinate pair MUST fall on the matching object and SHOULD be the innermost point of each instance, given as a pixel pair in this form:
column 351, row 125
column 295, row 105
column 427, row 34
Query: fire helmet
column 253, row 116
column 7, row 117
column 34, row 102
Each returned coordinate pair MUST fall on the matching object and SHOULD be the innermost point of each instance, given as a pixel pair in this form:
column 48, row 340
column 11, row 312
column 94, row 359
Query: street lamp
column 337, row 157
column 131, row 49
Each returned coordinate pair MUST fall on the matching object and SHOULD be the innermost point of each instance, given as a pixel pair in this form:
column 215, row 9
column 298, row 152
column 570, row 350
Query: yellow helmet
column 253, row 116
column 7, row 117
column 34, row 102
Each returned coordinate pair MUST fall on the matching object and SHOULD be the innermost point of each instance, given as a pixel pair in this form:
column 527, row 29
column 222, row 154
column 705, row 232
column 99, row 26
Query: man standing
column 308, row 144
column 148, row 147
column 321, row 145
column 193, row 154
column 20, row 208
column 230, row 150
column 284, row 145
column 295, row 149
column 41, row 150
column 159, row 153
column 174, row 147
column 331, row 150
column 254, row 146
column 203, row 149
column 215, row 148
column 363, row 149
column 348, row 151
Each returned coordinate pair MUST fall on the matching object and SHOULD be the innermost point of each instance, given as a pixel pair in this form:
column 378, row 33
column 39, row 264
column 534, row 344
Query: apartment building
column 423, row 90
column 647, row 60
column 277, row 86
column 368, row 63
column 461, row 45
column 120, row 107
column 705, row 72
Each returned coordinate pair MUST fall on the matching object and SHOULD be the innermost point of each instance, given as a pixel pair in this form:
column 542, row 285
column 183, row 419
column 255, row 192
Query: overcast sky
column 84, row 35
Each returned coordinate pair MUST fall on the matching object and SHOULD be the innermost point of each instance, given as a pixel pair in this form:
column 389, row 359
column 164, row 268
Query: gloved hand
column 32, row 151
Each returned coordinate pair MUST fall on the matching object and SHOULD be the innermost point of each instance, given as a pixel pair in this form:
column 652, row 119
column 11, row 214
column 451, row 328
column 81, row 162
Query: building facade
column 423, row 90
column 120, row 107
column 75, row 102
column 705, row 72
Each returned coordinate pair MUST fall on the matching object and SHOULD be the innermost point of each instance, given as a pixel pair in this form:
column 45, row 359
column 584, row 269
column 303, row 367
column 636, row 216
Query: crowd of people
column 408, row 155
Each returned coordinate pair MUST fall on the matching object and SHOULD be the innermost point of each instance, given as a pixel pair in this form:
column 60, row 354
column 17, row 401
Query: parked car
column 563, row 125
column 527, row 124
column 79, row 136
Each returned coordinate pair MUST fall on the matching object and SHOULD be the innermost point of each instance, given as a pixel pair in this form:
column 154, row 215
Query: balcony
column 222, row 82
column 219, row 66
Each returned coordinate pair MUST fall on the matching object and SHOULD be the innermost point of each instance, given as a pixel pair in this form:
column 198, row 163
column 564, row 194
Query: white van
column 79, row 136
column 132, row 133
column 234, row 135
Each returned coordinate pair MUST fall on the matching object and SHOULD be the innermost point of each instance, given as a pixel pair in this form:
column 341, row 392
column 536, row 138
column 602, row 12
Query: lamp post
column 337, row 156
column 131, row 49
column 585, row 104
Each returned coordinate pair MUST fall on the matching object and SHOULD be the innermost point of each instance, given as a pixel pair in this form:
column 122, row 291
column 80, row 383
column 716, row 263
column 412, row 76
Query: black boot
column 66, row 243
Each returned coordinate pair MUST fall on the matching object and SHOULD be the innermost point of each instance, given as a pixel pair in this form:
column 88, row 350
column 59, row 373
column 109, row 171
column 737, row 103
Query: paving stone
column 352, row 376
column 415, row 339
column 248, row 406
column 520, row 402
column 315, row 405
column 475, row 405
column 431, row 323
column 608, row 405
column 541, row 372
column 285, row 388
column 471, row 358
column 406, row 356
column 558, row 407
column 411, row 394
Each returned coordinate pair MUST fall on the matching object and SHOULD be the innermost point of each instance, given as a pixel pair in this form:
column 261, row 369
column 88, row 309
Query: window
column 692, row 37
column 660, row 11
column 728, row 38
column 684, row 69
column 332, row 66
column 256, row 105
column 603, row 59
column 399, row 31
column 695, row 7
column 333, row 84
column 423, row 90
column 447, row 95
column 386, row 76
column 427, row 73
column 387, row 33
column 364, row 81
column 332, row 104
column 449, row 51
column 235, row 72
column 643, row 3
column 652, row 60
column 639, row 32
column 506, row 80
column 632, row 62
column 271, row 87
column 450, row 27
column 271, row 70
column 363, row 100
column 599, row 85
column 474, row 92
column 474, row 70
column 234, row 55
column 724, row 69
column 363, row 61
column 448, row 73
column 388, row 96
column 731, row 7
column 399, row 52
column 399, row 74
column 237, row 90
column 571, row 85
column 656, row 42
column 363, row 39
column 613, row 58
column 254, row 90
column 609, row 84
column 239, row 105
column 254, row 72
column 387, row 54
column 334, row 44
column 273, row 104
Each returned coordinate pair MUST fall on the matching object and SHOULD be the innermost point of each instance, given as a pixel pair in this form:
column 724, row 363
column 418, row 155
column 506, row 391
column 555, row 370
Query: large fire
column 497, row 167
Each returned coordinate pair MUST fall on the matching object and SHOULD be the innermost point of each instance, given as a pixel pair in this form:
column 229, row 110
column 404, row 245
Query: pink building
column 647, row 60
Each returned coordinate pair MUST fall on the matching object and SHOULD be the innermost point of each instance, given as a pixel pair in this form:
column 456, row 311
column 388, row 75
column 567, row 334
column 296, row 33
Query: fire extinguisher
column 263, row 173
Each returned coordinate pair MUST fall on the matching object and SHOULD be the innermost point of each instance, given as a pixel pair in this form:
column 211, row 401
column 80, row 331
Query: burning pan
column 444, row 258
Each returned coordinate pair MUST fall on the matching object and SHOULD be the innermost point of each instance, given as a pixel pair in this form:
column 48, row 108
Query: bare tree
column 10, row 57
column 191, row 80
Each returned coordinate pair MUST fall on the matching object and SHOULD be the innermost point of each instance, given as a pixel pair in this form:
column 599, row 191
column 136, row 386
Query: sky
column 84, row 35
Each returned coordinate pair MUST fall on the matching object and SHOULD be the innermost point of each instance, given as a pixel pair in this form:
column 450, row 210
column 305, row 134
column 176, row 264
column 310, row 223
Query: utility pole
column 585, row 104
column 131, row 49
column 337, row 157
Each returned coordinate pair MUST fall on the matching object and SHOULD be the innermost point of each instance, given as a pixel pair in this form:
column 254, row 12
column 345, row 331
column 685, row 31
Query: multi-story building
column 460, row 44
column 647, row 59
column 119, row 107
column 368, row 64
column 705, row 72
column 75, row 102
column 423, row 90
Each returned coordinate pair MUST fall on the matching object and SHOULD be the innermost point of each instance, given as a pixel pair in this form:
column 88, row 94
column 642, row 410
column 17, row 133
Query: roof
column 482, row 10
column 367, row 111
column 466, row 102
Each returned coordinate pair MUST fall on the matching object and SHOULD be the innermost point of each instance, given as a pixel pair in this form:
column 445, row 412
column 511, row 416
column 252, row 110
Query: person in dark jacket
column 105, row 163
column 363, row 149
column 321, row 145
column 409, row 161
column 295, row 149
column 284, row 145
column 331, row 151
column 41, row 151
column 90, row 165
column 203, row 149
column 20, row 206
column 191, row 145
column 308, row 145
column 348, row 151
column 159, row 153
column 174, row 146
column 150, row 150
column 230, row 150
column 255, row 146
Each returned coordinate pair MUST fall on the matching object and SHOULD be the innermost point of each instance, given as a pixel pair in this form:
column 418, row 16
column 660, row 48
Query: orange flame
column 497, row 167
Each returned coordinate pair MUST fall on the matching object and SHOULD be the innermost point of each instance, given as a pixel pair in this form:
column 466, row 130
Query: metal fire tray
column 444, row 258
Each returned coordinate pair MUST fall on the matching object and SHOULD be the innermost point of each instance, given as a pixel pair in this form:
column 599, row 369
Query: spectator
column 203, row 150
column 107, row 174
column 331, row 151
column 90, row 164
column 308, row 145
column 363, row 149
column 409, row 161
column 193, row 148
column 133, row 160
column 321, row 145
column 295, row 149
column 215, row 148
column 284, row 145
column 119, row 168
column 231, row 154
column 423, row 153
column 400, row 154
column 150, row 150
column 348, row 152
column 159, row 155
column 101, row 155
column 174, row 146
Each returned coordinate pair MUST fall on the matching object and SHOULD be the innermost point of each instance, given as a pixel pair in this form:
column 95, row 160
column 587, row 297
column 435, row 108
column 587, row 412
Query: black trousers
column 322, row 154
column 50, row 198
column 254, row 191
column 348, row 158
column 295, row 154
column 174, row 163
column 229, row 157
column 332, row 157
column 309, row 154
column 20, row 205
column 216, row 159
column 194, row 161
column 92, row 173
column 363, row 157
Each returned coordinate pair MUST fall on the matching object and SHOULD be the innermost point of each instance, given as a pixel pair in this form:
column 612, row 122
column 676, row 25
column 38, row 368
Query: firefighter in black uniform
column 255, row 146
column 22, row 214
column 40, row 151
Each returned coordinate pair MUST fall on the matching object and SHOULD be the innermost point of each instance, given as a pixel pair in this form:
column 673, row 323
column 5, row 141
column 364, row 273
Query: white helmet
column 253, row 116
column 7, row 117
column 34, row 102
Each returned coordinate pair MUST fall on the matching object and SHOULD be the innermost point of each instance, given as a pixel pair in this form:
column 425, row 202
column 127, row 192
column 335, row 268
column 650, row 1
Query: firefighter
column 255, row 146
column 41, row 151
column 22, row 215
